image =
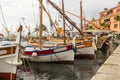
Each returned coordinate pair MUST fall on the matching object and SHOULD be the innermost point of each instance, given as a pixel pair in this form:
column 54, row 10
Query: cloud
column 19, row 8
column 15, row 9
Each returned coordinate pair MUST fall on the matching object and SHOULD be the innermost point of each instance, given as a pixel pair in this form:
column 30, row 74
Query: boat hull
column 62, row 54
column 85, row 52
column 7, row 71
column 9, row 58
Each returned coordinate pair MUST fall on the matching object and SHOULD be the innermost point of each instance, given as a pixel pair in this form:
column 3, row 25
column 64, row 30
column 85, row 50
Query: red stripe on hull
column 39, row 52
column 45, row 51
column 7, row 76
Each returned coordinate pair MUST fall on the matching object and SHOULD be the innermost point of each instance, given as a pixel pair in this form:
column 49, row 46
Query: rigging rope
column 31, row 69
column 34, row 13
column 62, row 62
column 4, row 25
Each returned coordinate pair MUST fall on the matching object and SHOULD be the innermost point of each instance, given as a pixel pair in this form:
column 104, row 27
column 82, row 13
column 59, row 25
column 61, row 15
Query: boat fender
column 74, row 44
column 34, row 55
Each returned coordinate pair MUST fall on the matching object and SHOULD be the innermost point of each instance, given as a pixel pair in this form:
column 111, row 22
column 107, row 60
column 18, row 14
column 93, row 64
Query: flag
column 51, row 24
column 56, row 22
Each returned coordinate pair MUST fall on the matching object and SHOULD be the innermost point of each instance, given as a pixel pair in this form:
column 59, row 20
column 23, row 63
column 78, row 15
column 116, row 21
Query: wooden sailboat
column 84, row 48
column 63, row 53
column 9, row 59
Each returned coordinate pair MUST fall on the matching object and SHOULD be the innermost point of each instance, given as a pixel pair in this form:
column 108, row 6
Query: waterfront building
column 109, row 19
column 115, row 18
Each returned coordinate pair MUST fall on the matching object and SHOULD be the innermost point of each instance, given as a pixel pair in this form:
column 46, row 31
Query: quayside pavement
column 110, row 70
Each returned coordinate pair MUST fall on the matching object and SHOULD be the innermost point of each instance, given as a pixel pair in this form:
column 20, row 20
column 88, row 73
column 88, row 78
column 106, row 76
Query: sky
column 15, row 10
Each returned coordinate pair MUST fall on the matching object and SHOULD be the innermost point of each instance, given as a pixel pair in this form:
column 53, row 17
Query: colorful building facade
column 109, row 19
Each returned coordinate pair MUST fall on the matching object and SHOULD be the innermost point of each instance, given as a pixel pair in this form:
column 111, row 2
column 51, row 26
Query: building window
column 118, row 10
column 115, row 26
column 107, row 20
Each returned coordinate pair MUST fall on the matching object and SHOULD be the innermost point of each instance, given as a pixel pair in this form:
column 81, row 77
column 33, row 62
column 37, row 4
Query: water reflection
column 81, row 70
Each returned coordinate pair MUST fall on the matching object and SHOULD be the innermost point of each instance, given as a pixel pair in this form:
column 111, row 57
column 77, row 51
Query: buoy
column 34, row 54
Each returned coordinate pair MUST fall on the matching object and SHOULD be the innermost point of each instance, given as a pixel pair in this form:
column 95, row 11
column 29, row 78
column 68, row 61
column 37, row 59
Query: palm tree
column 44, row 28
column 117, row 18
column 36, row 29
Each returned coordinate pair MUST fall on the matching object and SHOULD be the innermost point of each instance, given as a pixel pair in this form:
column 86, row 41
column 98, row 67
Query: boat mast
column 19, row 41
column 81, row 24
column 66, row 17
column 81, row 21
column 4, row 25
column 63, row 21
column 40, row 29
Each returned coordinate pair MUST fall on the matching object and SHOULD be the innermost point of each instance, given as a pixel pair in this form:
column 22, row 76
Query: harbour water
column 82, row 69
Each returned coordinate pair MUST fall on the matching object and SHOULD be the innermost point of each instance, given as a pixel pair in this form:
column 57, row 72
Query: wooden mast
column 66, row 17
column 19, row 41
column 63, row 21
column 81, row 21
column 40, row 29
column 4, row 25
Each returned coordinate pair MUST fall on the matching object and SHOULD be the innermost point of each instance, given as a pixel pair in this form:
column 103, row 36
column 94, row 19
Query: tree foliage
column 104, row 25
column 44, row 28
column 117, row 18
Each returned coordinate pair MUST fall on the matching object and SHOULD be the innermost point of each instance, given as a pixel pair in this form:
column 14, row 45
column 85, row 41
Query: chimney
column 105, row 9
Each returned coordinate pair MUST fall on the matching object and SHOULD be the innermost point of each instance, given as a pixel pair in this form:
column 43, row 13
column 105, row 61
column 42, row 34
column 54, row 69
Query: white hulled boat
column 9, row 59
column 54, row 54
column 63, row 53
column 86, row 49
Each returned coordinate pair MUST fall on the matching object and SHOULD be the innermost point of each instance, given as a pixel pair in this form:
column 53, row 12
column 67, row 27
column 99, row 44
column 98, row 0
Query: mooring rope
column 24, row 64
column 63, row 62
column 31, row 69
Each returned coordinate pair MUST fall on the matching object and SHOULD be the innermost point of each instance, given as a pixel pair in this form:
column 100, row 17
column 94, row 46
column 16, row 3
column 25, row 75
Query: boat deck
column 110, row 70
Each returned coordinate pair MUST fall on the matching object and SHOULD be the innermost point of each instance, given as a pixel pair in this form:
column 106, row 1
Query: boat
column 104, row 43
column 9, row 59
column 57, row 53
column 83, row 47
column 103, row 39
